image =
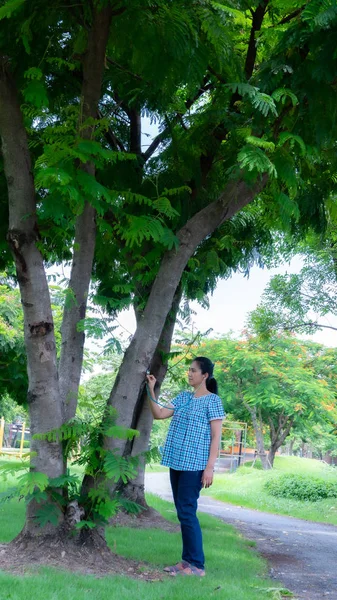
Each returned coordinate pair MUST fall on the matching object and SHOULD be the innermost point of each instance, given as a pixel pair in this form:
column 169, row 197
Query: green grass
column 234, row 570
column 246, row 488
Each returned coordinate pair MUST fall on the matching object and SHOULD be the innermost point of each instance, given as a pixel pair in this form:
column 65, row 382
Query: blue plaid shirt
column 188, row 440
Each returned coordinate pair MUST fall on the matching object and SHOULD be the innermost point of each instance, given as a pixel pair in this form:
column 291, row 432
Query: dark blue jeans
column 186, row 486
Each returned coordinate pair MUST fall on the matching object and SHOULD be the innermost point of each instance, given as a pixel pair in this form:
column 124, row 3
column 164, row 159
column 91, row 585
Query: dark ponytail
column 207, row 366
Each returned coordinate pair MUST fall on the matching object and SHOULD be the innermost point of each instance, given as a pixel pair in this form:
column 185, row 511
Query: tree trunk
column 257, row 425
column 52, row 400
column 278, row 434
column 138, row 356
column 135, row 489
column 71, row 359
column 43, row 395
column 271, row 456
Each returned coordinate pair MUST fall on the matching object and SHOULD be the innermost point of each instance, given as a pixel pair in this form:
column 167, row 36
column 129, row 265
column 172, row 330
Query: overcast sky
column 233, row 299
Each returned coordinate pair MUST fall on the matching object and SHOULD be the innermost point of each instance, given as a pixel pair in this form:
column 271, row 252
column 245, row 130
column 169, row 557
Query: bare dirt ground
column 22, row 556
column 301, row 554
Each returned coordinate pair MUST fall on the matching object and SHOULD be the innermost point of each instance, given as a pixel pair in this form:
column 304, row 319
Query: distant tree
column 275, row 384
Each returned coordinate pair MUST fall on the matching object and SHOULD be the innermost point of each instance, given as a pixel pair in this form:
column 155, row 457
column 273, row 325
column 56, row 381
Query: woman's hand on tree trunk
column 151, row 380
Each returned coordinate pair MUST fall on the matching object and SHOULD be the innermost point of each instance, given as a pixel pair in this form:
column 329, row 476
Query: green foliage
column 299, row 301
column 48, row 513
column 54, row 494
column 117, row 467
column 9, row 7
column 13, row 369
column 254, row 159
column 31, row 480
column 281, row 95
column 301, row 487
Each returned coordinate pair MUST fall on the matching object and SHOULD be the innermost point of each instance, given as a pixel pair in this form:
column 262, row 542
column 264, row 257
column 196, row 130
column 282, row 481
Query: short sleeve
column 215, row 409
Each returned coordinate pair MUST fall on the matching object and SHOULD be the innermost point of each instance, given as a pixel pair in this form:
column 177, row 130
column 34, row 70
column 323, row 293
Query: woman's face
column 195, row 376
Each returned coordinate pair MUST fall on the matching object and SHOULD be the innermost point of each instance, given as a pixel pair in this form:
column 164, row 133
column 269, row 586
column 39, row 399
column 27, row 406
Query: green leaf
column 48, row 513
column 260, row 143
column 12, row 469
column 255, row 159
column 265, row 104
column 117, row 467
column 45, row 178
column 92, row 187
column 281, row 94
column 121, row 433
column 29, row 481
column 36, row 93
column 36, row 495
column 286, row 136
column 33, row 73
column 10, row 7
column 108, row 508
column 64, row 480
column 130, row 507
column 141, row 228
column 83, row 524
column 164, row 206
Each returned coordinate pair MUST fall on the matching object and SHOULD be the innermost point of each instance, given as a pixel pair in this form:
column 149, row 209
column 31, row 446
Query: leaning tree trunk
column 135, row 489
column 43, row 395
column 138, row 356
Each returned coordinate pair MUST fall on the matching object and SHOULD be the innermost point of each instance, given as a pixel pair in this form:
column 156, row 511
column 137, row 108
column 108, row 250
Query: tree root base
column 87, row 554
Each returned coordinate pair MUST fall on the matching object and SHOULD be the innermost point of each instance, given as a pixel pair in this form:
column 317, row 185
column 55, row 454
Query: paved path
column 301, row 554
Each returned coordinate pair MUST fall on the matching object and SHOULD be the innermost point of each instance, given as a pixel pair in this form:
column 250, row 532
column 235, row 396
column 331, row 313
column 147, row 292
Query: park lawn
column 234, row 569
column 245, row 488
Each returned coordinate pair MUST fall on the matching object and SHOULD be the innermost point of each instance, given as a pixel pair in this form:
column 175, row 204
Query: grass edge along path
column 234, row 569
column 245, row 488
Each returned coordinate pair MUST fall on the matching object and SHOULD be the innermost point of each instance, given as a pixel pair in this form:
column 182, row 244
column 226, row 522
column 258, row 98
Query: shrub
column 301, row 487
column 26, row 443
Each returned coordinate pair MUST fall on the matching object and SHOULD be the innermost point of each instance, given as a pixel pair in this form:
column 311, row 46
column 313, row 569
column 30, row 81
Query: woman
column 190, row 450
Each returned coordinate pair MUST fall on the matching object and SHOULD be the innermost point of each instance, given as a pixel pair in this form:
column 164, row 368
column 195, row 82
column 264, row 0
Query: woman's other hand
column 207, row 477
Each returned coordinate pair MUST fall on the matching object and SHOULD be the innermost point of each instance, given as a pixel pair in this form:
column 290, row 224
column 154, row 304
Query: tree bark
column 71, row 359
column 43, row 394
column 135, row 489
column 138, row 356
column 279, row 435
column 257, row 425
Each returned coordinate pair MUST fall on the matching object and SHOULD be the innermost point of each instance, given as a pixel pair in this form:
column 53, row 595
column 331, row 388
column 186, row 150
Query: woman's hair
column 207, row 366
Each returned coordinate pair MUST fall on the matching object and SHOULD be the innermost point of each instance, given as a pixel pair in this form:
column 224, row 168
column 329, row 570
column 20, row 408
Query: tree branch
column 121, row 68
column 161, row 136
column 258, row 16
column 135, row 131
column 111, row 138
column 292, row 15
column 309, row 324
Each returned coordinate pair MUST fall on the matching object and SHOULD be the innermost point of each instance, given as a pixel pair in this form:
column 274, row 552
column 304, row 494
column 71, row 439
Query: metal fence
column 13, row 437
